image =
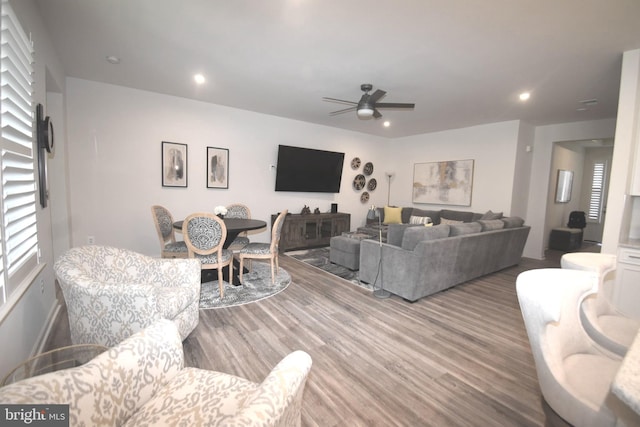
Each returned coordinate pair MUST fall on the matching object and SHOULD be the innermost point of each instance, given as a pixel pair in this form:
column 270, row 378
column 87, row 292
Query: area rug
column 319, row 257
column 257, row 286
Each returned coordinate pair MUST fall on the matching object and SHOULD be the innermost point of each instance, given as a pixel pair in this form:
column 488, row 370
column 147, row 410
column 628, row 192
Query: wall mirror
column 563, row 187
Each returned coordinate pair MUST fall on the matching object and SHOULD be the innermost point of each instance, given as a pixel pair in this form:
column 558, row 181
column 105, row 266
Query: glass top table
column 54, row 360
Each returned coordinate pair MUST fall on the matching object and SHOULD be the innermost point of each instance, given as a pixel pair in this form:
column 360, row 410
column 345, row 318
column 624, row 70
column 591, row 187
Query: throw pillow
column 419, row 220
column 434, row 215
column 491, row 215
column 449, row 221
column 392, row 215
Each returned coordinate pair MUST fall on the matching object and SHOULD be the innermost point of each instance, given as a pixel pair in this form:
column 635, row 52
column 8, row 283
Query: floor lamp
column 380, row 293
column 389, row 176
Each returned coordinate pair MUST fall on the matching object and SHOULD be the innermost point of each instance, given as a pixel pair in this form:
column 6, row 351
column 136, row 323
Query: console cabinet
column 311, row 230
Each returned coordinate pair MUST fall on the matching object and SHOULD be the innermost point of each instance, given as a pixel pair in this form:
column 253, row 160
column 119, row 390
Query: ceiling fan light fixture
column 365, row 112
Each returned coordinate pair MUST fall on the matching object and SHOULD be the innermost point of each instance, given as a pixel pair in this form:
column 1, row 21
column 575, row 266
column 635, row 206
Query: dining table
column 234, row 227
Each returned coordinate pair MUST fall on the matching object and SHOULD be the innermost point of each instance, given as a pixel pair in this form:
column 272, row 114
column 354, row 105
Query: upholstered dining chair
column 574, row 373
column 238, row 210
column 204, row 233
column 256, row 250
column 169, row 246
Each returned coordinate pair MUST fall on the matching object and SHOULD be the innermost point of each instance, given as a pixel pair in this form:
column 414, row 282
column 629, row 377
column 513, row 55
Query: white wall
column 493, row 148
column 115, row 135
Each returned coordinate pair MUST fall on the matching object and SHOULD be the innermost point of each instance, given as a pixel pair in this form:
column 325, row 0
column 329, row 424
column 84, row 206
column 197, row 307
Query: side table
column 54, row 360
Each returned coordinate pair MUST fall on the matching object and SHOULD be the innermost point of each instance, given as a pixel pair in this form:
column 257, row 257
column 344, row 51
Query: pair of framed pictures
column 175, row 165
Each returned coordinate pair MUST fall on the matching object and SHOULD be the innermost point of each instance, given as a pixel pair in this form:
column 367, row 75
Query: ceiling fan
column 368, row 104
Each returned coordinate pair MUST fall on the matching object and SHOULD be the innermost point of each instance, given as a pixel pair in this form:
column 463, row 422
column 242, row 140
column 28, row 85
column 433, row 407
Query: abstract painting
column 443, row 183
column 174, row 164
column 217, row 167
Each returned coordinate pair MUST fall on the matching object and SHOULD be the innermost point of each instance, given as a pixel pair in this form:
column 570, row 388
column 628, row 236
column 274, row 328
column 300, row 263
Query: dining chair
column 169, row 246
column 204, row 233
column 256, row 250
column 238, row 210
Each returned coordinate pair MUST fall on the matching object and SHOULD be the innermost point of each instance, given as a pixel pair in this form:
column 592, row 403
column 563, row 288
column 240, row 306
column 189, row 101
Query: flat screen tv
column 308, row 170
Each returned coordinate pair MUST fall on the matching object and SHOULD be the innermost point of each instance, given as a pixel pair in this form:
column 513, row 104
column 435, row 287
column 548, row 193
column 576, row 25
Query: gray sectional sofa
column 418, row 261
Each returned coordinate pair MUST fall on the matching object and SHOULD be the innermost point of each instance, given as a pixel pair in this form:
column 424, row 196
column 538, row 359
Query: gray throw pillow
column 414, row 235
column 491, row 224
column 491, row 215
column 464, row 228
column 406, row 214
column 512, row 222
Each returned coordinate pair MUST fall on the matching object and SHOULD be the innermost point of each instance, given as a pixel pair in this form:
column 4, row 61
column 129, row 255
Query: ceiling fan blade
column 394, row 105
column 339, row 100
column 333, row 113
column 377, row 95
column 376, row 113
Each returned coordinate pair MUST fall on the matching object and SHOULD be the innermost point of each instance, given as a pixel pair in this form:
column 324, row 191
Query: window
column 597, row 192
column 18, row 229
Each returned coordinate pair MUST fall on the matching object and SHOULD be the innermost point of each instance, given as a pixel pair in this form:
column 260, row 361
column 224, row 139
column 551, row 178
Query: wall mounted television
column 308, row 170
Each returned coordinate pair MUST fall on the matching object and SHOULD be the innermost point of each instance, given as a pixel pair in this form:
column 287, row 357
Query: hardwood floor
column 457, row 358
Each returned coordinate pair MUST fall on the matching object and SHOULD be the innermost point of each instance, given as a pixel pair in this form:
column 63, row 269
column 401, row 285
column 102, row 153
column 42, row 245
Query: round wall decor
column 359, row 182
column 364, row 197
column 355, row 163
column 372, row 184
column 368, row 168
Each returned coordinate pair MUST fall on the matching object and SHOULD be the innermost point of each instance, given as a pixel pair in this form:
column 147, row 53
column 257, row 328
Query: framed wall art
column 443, row 183
column 174, row 164
column 217, row 167
column 563, row 186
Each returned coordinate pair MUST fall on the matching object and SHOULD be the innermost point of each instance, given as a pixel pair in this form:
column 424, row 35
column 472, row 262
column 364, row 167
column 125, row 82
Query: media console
column 311, row 230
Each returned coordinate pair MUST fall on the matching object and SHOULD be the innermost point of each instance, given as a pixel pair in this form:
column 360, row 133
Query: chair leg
column 241, row 268
column 273, row 275
column 220, row 282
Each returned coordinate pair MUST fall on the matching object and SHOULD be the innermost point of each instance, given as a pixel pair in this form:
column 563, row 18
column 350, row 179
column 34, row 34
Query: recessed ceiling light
column 111, row 59
column 524, row 96
column 199, row 78
column 386, row 124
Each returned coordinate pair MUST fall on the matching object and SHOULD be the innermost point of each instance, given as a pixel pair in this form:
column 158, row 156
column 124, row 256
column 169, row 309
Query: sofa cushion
column 512, row 222
column 491, row 215
column 491, row 224
column 419, row 219
column 456, row 215
column 392, row 215
column 434, row 215
column 450, row 221
column 465, row 228
column 406, row 214
column 414, row 235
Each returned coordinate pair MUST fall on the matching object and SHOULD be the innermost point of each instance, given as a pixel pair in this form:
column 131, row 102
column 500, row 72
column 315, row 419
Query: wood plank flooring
column 457, row 358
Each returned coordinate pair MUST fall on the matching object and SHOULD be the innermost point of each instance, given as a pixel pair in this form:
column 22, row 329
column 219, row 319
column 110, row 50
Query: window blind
column 597, row 186
column 17, row 175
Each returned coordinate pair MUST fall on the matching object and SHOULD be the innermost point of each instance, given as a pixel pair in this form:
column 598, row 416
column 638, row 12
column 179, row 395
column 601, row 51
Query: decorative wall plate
column 355, row 163
column 364, row 197
column 359, row 182
column 368, row 168
column 372, row 184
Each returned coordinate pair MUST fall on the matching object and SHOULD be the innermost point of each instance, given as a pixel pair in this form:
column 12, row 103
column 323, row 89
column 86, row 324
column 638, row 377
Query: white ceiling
column 462, row 62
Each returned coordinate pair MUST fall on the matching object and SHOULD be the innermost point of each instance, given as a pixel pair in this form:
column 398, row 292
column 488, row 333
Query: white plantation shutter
column 17, row 176
column 597, row 188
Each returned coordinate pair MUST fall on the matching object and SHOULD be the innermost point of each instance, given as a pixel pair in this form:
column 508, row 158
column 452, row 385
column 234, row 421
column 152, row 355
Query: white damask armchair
column 143, row 381
column 112, row 293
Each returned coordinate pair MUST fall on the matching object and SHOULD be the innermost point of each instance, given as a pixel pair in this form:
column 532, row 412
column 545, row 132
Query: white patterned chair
column 238, row 210
column 111, row 293
column 256, row 250
column 169, row 246
column 143, row 381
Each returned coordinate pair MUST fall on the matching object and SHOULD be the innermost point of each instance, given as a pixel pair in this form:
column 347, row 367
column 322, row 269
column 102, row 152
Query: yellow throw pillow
column 392, row 215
